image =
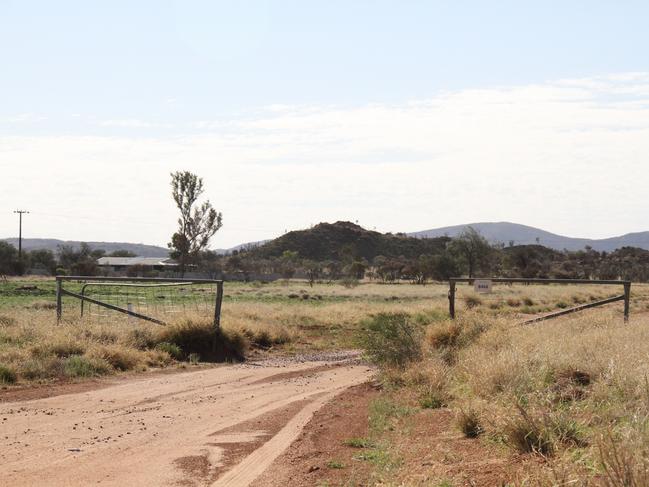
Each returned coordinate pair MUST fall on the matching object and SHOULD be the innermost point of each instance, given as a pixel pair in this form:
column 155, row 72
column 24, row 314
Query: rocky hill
column 336, row 240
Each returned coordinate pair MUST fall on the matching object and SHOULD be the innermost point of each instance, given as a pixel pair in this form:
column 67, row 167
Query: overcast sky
column 400, row 115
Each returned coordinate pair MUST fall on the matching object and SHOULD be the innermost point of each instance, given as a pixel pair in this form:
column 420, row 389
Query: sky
column 400, row 115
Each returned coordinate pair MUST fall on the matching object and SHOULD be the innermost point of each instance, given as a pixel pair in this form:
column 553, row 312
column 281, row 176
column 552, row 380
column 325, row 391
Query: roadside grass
column 33, row 348
column 573, row 392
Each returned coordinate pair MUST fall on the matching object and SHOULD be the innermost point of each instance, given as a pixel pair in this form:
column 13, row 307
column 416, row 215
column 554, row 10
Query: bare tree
column 198, row 222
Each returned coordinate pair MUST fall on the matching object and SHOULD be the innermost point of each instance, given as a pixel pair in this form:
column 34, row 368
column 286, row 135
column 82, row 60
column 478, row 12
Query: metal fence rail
column 131, row 282
column 626, row 297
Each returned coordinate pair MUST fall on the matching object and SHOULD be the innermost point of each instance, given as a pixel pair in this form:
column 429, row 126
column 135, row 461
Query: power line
column 20, row 233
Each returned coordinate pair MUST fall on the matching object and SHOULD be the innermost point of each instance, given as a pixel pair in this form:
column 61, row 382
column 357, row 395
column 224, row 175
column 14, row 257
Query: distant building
column 119, row 264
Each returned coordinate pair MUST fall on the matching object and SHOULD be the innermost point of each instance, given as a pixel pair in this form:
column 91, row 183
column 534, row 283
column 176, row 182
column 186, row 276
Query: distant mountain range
column 140, row 250
column 506, row 232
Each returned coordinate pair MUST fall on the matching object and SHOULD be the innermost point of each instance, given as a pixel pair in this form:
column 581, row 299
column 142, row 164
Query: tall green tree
column 472, row 249
column 8, row 258
column 198, row 222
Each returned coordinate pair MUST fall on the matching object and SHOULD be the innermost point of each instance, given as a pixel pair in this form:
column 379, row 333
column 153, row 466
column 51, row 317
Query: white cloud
column 134, row 124
column 568, row 155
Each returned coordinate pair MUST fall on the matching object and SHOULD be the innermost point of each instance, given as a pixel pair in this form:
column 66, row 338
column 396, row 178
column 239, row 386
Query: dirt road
column 214, row 427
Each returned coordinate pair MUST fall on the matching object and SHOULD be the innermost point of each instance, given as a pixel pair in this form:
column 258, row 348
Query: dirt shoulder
column 319, row 456
column 422, row 447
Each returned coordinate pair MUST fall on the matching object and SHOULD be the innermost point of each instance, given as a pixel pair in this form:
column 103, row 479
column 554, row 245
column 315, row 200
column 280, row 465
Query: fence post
column 217, row 314
column 58, row 299
column 451, row 299
column 627, row 299
column 217, row 305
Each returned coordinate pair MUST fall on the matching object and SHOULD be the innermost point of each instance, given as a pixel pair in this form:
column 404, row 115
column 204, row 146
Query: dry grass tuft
column 119, row 358
column 471, row 301
column 7, row 375
column 200, row 337
column 468, row 422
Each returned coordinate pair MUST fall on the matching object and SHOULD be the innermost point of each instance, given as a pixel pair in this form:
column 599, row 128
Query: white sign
column 482, row 286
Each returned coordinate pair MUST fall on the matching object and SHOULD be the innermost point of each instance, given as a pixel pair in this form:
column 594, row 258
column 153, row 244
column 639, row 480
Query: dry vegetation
column 572, row 393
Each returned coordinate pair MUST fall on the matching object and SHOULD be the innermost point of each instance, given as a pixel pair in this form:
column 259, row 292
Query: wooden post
column 627, row 300
column 217, row 305
column 217, row 314
column 59, row 311
column 451, row 299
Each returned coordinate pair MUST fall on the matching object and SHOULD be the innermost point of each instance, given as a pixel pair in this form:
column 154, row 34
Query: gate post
column 59, row 311
column 627, row 299
column 451, row 299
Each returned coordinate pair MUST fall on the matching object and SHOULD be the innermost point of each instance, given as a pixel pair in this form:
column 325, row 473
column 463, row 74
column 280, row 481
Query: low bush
column 61, row 349
column 468, row 422
column 349, row 282
column 40, row 368
column 172, row 349
column 471, row 301
column 528, row 434
column 266, row 337
column 200, row 337
column 156, row 358
column 103, row 336
column 79, row 366
column 119, row 357
column 432, row 398
column 527, row 301
column 391, row 339
column 7, row 375
column 141, row 338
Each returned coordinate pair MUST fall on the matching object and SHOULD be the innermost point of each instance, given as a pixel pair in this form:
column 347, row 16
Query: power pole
column 20, row 233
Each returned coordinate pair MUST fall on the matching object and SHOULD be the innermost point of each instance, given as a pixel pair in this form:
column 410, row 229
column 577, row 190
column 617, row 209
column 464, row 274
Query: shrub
column 142, row 338
column 527, row 301
column 445, row 334
column 468, row 422
column 471, row 301
column 78, row 366
column 102, row 336
column 430, row 316
column 432, row 398
column 451, row 336
column 42, row 368
column 200, row 337
column 513, row 302
column 171, row 348
column 266, row 337
column 624, row 465
column 156, row 358
column 528, row 435
column 60, row 349
column 120, row 358
column 349, row 282
column 390, row 339
column 7, row 375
